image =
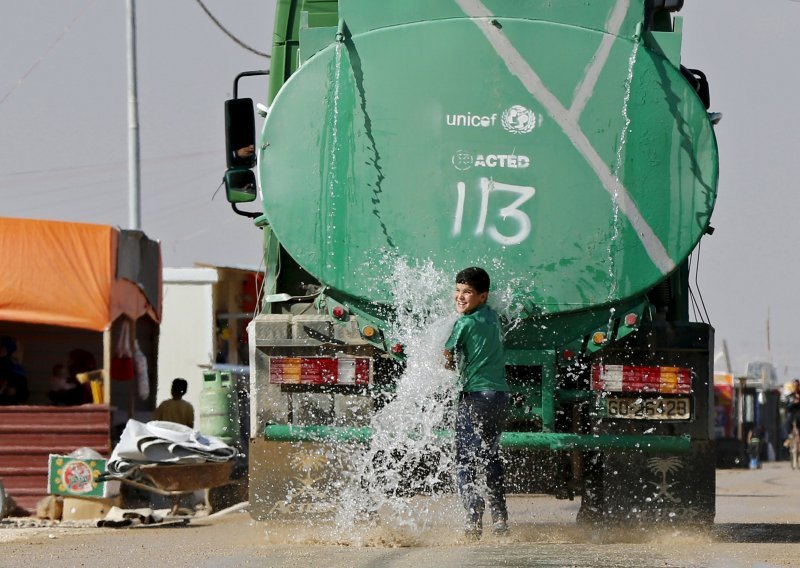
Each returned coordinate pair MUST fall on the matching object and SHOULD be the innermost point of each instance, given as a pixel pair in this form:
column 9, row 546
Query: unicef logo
column 462, row 160
column 518, row 119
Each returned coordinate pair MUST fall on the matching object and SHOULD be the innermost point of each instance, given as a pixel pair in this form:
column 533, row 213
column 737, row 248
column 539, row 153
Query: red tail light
column 342, row 370
column 629, row 378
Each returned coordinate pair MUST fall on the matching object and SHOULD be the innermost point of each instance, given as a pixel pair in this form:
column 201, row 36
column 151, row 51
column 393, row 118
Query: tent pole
column 132, row 384
column 107, row 366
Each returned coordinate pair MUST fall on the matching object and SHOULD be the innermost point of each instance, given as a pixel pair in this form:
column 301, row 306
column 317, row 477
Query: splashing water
column 334, row 152
column 623, row 139
column 408, row 454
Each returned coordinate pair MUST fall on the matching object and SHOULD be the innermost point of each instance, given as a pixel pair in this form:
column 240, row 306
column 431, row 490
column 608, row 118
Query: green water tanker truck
column 563, row 146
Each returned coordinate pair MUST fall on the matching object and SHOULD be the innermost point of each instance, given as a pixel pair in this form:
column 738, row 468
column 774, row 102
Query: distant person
column 176, row 409
column 791, row 404
column 66, row 391
column 755, row 440
column 475, row 349
column 245, row 151
column 80, row 361
column 59, row 378
column 13, row 378
column 223, row 335
column 792, row 443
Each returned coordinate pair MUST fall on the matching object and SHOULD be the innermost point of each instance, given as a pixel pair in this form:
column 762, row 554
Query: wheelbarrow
column 176, row 481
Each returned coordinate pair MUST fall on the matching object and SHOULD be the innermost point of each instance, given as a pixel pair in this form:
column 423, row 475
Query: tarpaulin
column 164, row 442
column 65, row 274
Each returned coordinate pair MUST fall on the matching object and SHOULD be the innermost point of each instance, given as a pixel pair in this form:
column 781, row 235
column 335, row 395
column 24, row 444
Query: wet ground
column 758, row 524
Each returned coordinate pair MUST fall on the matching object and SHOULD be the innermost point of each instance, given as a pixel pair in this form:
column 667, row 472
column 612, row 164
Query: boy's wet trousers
column 480, row 421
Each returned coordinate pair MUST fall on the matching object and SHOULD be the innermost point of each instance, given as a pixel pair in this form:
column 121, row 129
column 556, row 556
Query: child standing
column 176, row 409
column 475, row 349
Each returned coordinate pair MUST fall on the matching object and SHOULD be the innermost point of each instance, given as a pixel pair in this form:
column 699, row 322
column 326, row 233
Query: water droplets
column 334, row 147
column 613, row 245
column 408, row 454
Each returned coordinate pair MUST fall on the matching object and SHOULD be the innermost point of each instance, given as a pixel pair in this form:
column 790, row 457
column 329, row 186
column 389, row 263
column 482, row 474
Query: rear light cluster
column 628, row 378
column 340, row 370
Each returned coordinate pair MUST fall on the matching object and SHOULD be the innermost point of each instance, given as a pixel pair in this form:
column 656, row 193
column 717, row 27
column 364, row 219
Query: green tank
column 561, row 145
column 583, row 174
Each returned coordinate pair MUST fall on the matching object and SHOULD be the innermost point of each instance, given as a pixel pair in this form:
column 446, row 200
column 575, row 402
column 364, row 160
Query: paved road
column 758, row 524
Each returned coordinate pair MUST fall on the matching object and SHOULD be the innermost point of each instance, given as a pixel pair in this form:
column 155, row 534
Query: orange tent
column 62, row 287
column 76, row 274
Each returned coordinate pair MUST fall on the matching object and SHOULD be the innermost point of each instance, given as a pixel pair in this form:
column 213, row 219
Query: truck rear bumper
column 530, row 440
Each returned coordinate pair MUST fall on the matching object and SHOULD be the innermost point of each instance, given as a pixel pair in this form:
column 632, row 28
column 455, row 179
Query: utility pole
column 769, row 343
column 728, row 367
column 134, row 190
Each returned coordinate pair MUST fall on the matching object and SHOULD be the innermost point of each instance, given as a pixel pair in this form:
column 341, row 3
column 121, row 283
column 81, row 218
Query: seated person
column 13, row 379
column 80, row 361
column 13, row 390
column 176, row 409
column 67, row 391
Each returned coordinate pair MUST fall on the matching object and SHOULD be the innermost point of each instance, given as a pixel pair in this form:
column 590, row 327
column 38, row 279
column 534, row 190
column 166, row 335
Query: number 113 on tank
column 489, row 187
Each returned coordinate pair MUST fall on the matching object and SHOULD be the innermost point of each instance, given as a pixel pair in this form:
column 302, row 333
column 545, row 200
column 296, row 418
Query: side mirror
column 240, row 185
column 240, row 133
column 669, row 5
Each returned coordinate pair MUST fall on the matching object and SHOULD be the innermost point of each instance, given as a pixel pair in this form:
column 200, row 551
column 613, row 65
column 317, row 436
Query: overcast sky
column 63, row 118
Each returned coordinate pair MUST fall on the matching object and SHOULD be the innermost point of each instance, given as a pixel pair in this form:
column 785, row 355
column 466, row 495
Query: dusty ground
column 758, row 524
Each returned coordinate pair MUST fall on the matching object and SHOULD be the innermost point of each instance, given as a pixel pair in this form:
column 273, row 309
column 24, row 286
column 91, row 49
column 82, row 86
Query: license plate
column 649, row 408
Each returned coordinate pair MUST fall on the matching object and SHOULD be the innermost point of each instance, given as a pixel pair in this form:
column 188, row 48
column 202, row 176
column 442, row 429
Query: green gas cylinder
column 219, row 408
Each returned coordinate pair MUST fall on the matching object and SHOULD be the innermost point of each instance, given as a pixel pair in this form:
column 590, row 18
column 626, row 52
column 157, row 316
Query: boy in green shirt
column 475, row 349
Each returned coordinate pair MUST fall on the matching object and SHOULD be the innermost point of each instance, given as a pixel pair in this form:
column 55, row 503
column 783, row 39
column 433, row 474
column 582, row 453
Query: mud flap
column 639, row 487
column 297, row 480
column 528, row 471
column 293, row 480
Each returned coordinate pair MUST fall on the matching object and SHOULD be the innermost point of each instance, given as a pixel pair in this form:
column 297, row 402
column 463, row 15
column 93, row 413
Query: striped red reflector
column 319, row 370
column 629, row 378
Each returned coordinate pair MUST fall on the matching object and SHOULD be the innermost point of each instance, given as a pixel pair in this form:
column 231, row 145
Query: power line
column 47, row 51
column 110, row 165
column 229, row 34
column 697, row 283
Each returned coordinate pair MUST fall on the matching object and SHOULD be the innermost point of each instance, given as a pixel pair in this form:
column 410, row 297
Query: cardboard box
column 74, row 477
column 50, row 507
column 83, row 509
